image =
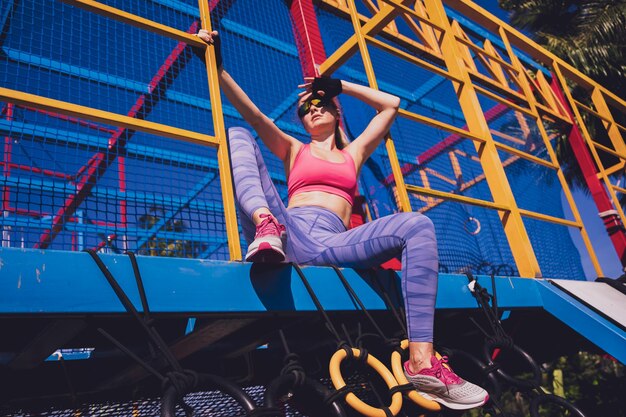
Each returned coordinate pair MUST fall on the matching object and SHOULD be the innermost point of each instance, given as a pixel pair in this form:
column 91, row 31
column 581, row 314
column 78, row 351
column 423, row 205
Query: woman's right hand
column 211, row 38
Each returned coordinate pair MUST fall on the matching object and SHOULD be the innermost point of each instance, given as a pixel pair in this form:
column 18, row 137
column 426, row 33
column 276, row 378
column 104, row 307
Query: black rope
column 356, row 299
column 337, row 394
column 387, row 299
column 316, row 301
column 401, row 388
column 128, row 305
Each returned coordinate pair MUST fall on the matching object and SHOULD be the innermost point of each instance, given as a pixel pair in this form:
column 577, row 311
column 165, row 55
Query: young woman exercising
column 313, row 228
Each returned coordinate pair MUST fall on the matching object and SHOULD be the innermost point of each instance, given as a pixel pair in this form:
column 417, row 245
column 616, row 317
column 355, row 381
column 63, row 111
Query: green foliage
column 594, row 383
column 589, row 34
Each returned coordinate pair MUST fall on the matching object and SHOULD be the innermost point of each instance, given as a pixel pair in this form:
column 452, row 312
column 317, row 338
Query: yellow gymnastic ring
column 351, row 398
column 398, row 372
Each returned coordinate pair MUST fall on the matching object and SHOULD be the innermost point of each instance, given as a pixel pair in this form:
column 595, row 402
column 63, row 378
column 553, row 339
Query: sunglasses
column 306, row 106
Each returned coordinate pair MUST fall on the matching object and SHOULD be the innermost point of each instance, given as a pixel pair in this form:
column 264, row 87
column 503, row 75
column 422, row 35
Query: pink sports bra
column 310, row 173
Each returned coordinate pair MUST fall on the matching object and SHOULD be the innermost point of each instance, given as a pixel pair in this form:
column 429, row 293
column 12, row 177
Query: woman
column 322, row 181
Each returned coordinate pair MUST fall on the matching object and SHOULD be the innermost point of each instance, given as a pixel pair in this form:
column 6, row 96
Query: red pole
column 6, row 192
column 306, row 32
column 612, row 222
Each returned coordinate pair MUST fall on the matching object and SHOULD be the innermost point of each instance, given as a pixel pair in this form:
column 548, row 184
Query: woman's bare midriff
column 332, row 202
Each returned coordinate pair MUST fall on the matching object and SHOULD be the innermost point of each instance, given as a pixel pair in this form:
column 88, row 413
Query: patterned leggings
column 317, row 236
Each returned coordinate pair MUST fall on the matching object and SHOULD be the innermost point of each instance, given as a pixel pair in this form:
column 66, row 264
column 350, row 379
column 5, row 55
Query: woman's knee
column 238, row 136
column 418, row 223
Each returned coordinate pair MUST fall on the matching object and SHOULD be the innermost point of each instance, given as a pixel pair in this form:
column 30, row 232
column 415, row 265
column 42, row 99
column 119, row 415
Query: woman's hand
column 326, row 88
column 211, row 38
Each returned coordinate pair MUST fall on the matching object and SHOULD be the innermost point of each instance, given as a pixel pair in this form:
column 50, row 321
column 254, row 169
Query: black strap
column 182, row 381
column 338, row 394
column 401, row 388
column 387, row 412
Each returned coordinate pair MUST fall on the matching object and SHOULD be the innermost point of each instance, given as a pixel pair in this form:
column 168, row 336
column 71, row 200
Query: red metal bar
column 70, row 119
column 612, row 222
column 40, row 214
column 35, row 170
column 308, row 37
column 101, row 161
column 6, row 160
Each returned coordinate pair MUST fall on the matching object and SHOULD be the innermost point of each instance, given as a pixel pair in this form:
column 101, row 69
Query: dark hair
column 339, row 143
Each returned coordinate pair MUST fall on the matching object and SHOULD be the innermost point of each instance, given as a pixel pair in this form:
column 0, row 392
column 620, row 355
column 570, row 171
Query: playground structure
column 115, row 140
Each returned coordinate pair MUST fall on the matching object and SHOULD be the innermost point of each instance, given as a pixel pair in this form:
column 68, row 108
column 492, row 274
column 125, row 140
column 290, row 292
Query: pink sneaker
column 267, row 246
column 441, row 384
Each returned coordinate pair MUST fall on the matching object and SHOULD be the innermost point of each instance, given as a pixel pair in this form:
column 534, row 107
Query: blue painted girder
column 60, row 282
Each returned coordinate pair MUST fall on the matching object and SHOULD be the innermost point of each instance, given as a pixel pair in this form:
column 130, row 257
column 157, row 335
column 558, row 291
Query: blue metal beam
column 585, row 321
column 41, row 283
column 205, row 286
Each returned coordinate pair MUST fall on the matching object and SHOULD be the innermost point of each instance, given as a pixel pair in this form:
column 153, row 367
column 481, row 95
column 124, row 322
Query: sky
column 607, row 257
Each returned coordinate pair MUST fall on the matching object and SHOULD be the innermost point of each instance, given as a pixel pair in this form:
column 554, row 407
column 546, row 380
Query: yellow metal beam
column 101, row 116
column 371, row 27
column 136, row 21
column 609, row 123
column 516, row 234
column 439, row 125
column 550, row 219
column 223, row 157
column 398, row 5
column 615, row 168
column 401, row 54
column 606, row 149
column 455, row 197
column 526, row 156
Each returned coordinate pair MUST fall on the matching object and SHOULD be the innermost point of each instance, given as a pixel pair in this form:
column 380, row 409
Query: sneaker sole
column 451, row 405
column 265, row 253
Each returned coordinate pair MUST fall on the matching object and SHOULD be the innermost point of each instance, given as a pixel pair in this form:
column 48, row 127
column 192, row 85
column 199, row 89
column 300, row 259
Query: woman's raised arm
column 280, row 143
column 387, row 107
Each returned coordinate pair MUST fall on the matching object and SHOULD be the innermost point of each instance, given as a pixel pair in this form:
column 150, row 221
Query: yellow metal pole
column 609, row 122
column 512, row 222
column 223, row 157
column 525, row 84
column 402, row 194
column 95, row 115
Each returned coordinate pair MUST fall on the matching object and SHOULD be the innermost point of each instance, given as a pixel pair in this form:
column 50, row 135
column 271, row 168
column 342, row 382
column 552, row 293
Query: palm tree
column 590, row 35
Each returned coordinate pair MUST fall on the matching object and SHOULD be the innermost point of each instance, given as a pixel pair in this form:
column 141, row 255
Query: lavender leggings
column 317, row 236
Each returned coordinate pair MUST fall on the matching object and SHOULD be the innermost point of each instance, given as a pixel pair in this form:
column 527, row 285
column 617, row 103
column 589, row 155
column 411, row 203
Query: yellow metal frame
column 531, row 96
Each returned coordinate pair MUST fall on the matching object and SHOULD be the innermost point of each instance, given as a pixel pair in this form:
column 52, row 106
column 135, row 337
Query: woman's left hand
column 321, row 87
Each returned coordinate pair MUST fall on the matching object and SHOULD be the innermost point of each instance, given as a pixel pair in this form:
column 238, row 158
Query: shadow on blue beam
column 59, row 282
